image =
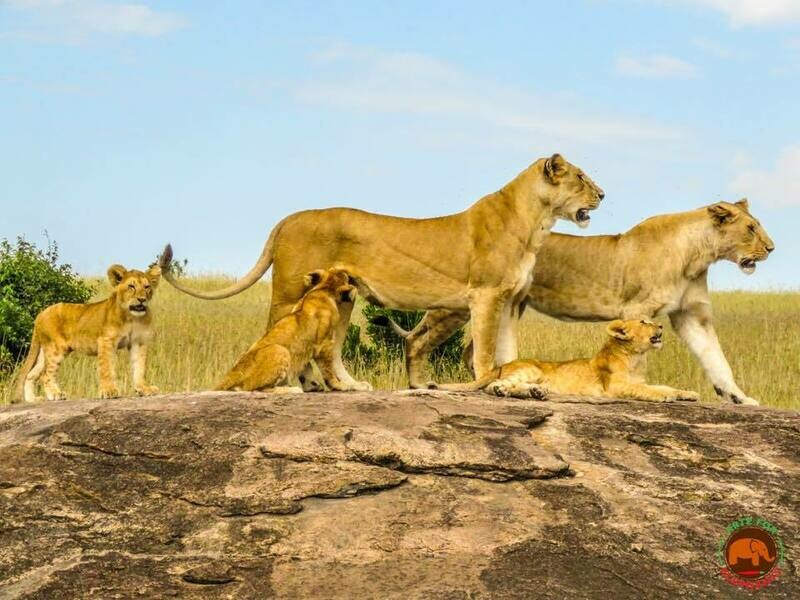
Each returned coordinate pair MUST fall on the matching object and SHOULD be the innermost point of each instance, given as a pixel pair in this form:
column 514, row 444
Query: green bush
column 30, row 280
column 387, row 346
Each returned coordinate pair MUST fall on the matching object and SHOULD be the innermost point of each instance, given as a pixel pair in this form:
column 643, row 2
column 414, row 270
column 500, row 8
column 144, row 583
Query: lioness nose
column 601, row 194
column 770, row 248
column 142, row 300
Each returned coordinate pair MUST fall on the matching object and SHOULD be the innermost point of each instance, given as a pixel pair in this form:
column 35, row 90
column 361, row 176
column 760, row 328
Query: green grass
column 196, row 341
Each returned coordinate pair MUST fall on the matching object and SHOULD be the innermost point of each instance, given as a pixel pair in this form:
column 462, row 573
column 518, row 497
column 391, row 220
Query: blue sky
column 127, row 125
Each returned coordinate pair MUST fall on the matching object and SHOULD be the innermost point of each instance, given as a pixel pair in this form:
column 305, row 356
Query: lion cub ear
column 721, row 214
column 743, row 203
column 347, row 294
column 313, row 278
column 154, row 275
column 116, row 273
column 616, row 329
column 555, row 167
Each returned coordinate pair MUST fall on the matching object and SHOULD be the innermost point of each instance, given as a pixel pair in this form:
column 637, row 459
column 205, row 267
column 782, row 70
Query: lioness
column 660, row 267
column 122, row 320
column 305, row 333
column 617, row 371
column 478, row 261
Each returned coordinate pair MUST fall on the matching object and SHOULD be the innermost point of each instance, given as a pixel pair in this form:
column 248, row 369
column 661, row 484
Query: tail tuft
column 380, row 321
column 165, row 260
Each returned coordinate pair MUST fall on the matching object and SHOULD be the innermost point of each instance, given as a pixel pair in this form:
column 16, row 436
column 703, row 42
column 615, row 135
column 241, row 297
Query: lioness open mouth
column 138, row 308
column 747, row 265
column 656, row 341
column 582, row 217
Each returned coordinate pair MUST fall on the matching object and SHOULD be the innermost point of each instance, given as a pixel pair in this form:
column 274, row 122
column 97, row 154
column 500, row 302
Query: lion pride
column 478, row 261
column 659, row 267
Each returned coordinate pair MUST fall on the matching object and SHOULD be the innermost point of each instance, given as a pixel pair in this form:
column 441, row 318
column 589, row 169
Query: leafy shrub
column 30, row 280
column 388, row 346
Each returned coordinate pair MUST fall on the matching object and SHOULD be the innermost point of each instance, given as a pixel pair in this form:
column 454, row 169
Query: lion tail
column 30, row 361
column 384, row 321
column 264, row 262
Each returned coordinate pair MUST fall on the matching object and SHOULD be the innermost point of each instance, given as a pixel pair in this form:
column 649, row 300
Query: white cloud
column 656, row 66
column 779, row 186
column 101, row 16
column 410, row 83
column 752, row 12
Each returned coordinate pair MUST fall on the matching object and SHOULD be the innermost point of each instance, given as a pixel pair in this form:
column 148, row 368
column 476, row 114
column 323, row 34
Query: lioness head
column 741, row 238
column 334, row 280
column 572, row 193
column 134, row 288
column 637, row 335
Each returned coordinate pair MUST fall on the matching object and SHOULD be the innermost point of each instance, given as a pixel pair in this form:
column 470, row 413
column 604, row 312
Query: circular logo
column 751, row 553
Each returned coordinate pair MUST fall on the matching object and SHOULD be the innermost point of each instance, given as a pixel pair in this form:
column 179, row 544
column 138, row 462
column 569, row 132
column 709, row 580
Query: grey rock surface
column 381, row 495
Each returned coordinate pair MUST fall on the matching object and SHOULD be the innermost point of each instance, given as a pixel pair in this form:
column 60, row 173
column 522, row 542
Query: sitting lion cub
column 304, row 334
column 617, row 371
column 120, row 321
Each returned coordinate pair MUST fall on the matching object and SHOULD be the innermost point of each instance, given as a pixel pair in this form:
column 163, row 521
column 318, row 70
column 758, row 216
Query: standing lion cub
column 306, row 333
column 617, row 371
column 120, row 321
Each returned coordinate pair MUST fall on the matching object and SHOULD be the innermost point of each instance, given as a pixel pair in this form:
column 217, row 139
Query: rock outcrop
column 380, row 495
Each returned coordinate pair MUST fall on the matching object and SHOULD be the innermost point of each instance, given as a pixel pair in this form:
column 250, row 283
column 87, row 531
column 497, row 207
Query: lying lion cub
column 617, row 371
column 305, row 333
column 120, row 321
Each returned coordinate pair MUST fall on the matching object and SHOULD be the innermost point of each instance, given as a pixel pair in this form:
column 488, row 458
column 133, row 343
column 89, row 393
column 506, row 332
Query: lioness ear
column 347, row 294
column 721, row 214
column 554, row 167
column 116, row 273
column 616, row 329
column 743, row 203
column 154, row 275
column 313, row 278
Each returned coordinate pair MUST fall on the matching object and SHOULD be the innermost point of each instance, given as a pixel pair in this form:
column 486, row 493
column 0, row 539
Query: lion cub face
column 335, row 281
column 636, row 335
column 134, row 289
column 575, row 194
column 742, row 238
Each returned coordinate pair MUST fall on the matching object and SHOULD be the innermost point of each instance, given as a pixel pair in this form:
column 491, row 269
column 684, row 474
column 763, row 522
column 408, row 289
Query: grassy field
column 196, row 341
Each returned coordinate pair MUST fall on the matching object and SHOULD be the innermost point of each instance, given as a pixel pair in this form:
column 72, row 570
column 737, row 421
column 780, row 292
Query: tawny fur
column 304, row 334
column 617, row 371
column 659, row 267
column 479, row 260
column 121, row 321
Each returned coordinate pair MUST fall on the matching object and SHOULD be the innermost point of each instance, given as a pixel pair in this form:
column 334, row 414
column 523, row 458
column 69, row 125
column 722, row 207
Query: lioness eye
column 131, row 286
column 752, row 228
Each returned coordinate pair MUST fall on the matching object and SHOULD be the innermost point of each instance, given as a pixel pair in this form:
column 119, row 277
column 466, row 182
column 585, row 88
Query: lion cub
column 120, row 321
column 304, row 334
column 617, row 371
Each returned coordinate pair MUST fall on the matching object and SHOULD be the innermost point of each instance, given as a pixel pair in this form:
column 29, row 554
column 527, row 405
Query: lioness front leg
column 693, row 325
column 106, row 367
column 138, row 366
column 486, row 308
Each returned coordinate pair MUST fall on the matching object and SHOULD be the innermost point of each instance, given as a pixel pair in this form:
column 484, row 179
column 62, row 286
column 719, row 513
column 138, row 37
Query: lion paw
column 687, row 396
column 109, row 391
column 147, row 390
column 57, row 395
column 362, row 386
column 735, row 398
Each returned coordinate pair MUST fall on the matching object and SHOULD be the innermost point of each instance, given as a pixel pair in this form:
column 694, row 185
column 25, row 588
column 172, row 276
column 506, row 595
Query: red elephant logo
column 751, row 552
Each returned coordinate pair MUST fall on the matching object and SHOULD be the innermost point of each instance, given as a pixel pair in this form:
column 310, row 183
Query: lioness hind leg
column 435, row 328
column 335, row 359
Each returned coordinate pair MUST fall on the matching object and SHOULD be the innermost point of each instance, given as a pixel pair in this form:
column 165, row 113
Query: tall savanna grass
column 196, row 341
